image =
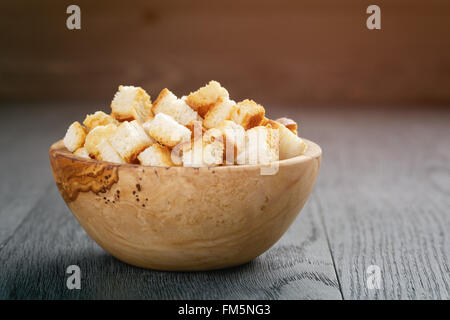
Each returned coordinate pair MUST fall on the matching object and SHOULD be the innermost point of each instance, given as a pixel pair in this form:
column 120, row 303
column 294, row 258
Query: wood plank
column 34, row 261
column 279, row 51
column 383, row 193
column 25, row 139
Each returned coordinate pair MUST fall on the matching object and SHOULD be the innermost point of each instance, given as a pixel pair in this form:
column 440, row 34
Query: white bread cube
column 290, row 144
column 156, row 155
column 131, row 103
column 213, row 153
column 74, row 137
column 107, row 153
column 288, row 123
column 129, row 140
column 82, row 153
column 261, row 145
column 166, row 130
column 99, row 118
column 248, row 114
column 192, row 154
column 234, row 140
column 196, row 128
column 219, row 112
column 202, row 153
column 96, row 136
column 169, row 104
column 204, row 98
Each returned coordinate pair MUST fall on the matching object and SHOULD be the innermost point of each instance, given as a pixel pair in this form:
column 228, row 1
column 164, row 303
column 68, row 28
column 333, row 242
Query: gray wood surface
column 382, row 198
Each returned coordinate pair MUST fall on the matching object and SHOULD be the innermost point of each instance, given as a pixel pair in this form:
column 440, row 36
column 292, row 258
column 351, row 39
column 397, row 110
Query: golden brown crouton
column 131, row 103
column 264, row 121
column 107, row 153
column 75, row 136
column 248, row 114
column 290, row 144
column 82, row 153
column 233, row 139
column 129, row 140
column 204, row 98
column 219, row 112
column 166, row 130
column 196, row 128
column 96, row 136
column 169, row 104
column 262, row 145
column 203, row 153
column 288, row 123
column 156, row 155
column 99, row 118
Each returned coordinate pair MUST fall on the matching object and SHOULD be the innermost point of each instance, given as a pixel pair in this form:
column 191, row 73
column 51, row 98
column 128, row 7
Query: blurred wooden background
column 276, row 52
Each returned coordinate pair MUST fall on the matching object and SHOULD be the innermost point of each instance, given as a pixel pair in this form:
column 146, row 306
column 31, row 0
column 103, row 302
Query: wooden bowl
column 184, row 218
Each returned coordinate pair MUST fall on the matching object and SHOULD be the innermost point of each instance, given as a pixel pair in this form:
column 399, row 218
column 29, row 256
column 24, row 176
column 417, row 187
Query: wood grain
column 26, row 174
column 35, row 259
column 382, row 197
column 282, row 52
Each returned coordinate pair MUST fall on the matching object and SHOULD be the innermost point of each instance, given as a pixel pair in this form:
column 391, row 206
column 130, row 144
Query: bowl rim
column 313, row 151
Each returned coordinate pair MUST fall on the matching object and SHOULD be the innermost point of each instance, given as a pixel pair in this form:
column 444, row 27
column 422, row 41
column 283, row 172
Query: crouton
column 290, row 144
column 261, row 145
column 264, row 121
column 288, row 123
column 129, row 140
column 82, row 153
column 204, row 98
column 99, row 118
column 196, row 128
column 233, row 139
column 169, row 104
column 219, row 112
column 74, row 137
column 107, row 153
column 203, row 153
column 166, row 130
column 156, row 155
column 131, row 103
column 248, row 114
column 96, row 136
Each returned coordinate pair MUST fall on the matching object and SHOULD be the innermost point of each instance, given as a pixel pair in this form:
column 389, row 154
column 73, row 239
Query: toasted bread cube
column 219, row 112
column 82, row 153
column 213, row 153
column 107, row 153
column 234, row 140
column 288, row 123
column 129, row 140
column 156, row 155
column 290, row 144
column 262, row 145
column 131, row 103
column 96, row 136
column 248, row 114
column 166, row 130
column 74, row 137
column 196, row 128
column 99, row 118
column 203, row 153
column 192, row 154
column 264, row 121
column 169, row 104
column 204, row 98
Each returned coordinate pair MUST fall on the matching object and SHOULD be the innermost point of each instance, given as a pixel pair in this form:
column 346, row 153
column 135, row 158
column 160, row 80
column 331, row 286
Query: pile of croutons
column 205, row 128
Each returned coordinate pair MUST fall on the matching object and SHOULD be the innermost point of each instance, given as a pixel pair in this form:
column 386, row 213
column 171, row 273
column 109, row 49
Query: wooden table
column 382, row 198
